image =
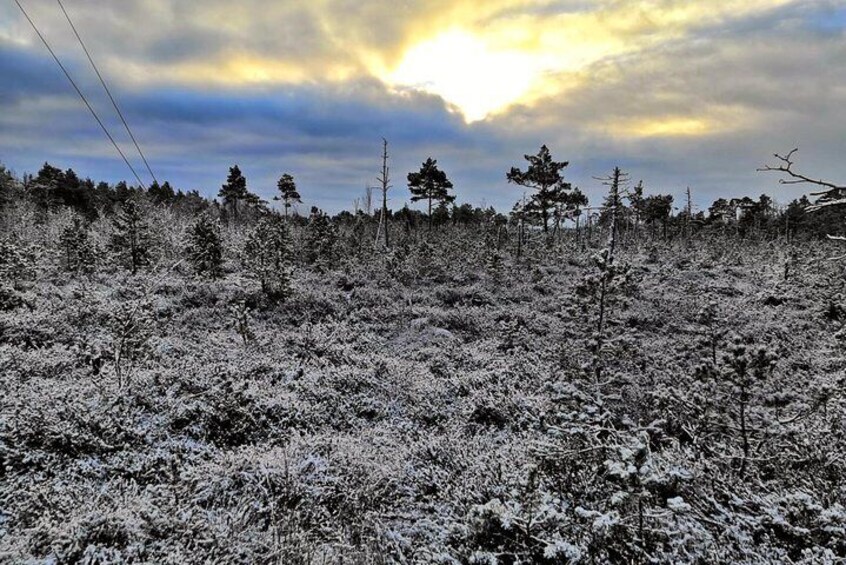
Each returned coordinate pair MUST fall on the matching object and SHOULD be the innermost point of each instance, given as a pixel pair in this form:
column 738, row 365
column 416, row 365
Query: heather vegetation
column 194, row 381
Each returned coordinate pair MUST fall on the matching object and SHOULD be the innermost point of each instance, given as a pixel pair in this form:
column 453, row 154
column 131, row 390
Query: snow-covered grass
column 410, row 409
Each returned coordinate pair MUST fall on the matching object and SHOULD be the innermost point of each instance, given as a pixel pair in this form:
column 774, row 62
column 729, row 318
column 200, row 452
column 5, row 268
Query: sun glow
column 464, row 71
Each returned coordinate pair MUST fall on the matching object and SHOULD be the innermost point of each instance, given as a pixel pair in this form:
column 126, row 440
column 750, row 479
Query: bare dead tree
column 368, row 199
column 384, row 184
column 831, row 196
column 688, row 209
column 613, row 204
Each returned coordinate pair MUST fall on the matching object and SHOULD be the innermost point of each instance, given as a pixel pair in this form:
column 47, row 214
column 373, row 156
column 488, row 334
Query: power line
column 108, row 91
column 81, row 95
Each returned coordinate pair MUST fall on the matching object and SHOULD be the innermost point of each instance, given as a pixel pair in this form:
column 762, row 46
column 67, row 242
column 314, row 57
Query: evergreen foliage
column 131, row 239
column 438, row 401
column 267, row 256
column 430, row 184
column 234, row 190
column 205, row 247
column 78, row 253
column 288, row 193
column 543, row 175
column 320, row 240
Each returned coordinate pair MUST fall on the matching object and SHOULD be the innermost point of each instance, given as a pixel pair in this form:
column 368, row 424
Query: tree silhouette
column 234, row 190
column 543, row 175
column 657, row 208
column 287, row 192
column 431, row 184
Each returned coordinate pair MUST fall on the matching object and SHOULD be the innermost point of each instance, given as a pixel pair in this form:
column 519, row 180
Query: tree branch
column 797, row 178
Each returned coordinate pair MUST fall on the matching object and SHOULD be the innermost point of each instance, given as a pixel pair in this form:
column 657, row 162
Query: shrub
column 267, row 256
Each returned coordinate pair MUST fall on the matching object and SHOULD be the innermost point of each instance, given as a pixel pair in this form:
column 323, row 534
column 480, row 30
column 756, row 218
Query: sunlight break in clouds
column 483, row 64
column 465, row 72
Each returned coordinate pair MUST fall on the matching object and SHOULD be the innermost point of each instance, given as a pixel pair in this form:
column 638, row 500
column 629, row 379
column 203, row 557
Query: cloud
column 678, row 92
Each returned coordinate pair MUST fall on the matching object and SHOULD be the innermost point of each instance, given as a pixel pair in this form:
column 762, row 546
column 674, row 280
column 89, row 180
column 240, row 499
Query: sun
column 467, row 73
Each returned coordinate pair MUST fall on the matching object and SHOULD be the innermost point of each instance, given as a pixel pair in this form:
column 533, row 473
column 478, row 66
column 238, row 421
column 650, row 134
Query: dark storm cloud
column 27, row 74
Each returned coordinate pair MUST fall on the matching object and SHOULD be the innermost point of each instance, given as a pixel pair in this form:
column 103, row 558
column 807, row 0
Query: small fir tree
column 78, row 254
column 205, row 247
column 131, row 239
column 267, row 256
column 320, row 240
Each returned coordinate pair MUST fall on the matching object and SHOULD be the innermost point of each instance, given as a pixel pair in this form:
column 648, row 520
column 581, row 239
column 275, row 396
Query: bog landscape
column 484, row 353
column 180, row 387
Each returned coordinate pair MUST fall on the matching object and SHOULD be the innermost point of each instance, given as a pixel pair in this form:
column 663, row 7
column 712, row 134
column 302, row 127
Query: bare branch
column 797, row 178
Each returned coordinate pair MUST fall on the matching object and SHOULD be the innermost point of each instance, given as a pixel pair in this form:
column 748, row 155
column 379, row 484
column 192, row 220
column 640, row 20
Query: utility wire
column 108, row 92
column 81, row 95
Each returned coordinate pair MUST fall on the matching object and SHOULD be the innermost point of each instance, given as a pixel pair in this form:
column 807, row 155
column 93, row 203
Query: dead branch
column 786, row 167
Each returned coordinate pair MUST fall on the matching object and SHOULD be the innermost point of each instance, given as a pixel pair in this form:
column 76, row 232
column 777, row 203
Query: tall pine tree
column 287, row 192
column 234, row 190
column 543, row 175
column 430, row 184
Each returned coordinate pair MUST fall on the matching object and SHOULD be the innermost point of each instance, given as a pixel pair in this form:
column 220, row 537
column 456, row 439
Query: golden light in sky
column 481, row 66
column 480, row 58
column 467, row 73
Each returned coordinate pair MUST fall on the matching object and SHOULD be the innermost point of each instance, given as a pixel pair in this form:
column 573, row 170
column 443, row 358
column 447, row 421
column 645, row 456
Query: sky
column 678, row 93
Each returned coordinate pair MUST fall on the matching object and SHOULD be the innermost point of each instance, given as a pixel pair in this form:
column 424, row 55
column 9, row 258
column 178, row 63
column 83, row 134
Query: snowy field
column 437, row 403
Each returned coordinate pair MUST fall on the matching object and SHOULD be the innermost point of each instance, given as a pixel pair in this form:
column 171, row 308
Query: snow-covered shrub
column 267, row 256
column 131, row 324
column 205, row 247
column 78, row 252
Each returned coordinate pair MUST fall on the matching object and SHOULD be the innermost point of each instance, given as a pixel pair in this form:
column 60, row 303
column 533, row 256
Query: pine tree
column 543, row 175
column 430, row 184
column 287, row 192
column 440, row 215
column 77, row 250
column 131, row 238
column 267, row 256
column 321, row 237
column 384, row 178
column 657, row 208
column 234, row 190
column 132, row 326
column 599, row 286
column 205, row 247
column 739, row 382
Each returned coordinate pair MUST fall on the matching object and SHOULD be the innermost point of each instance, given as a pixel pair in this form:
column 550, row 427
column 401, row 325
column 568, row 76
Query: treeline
column 550, row 204
column 52, row 187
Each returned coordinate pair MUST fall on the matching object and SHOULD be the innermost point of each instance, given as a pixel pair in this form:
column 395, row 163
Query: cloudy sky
column 677, row 92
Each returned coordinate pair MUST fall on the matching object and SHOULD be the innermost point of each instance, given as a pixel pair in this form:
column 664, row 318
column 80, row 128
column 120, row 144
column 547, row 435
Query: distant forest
column 564, row 209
